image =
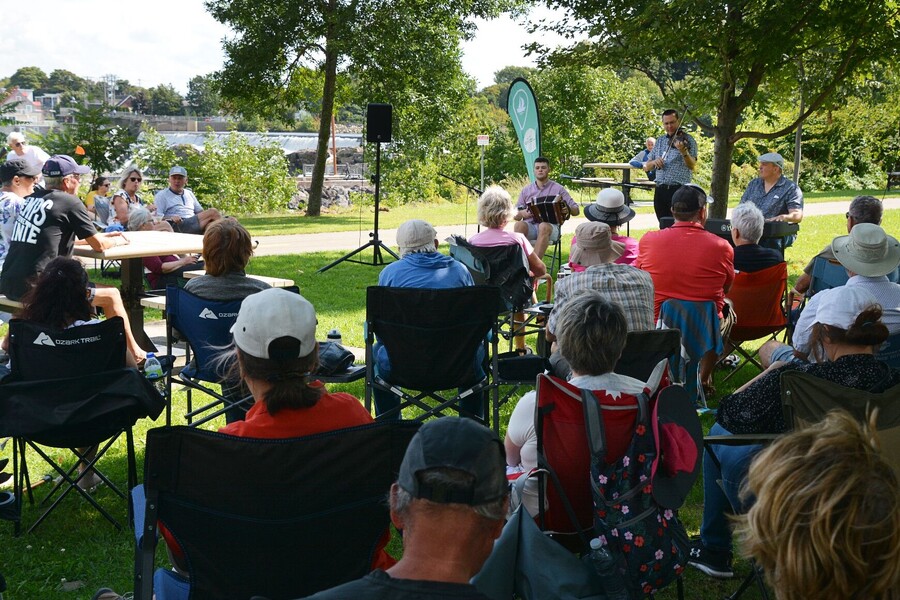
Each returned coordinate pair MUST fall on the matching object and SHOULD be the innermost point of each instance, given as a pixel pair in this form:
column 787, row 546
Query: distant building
column 27, row 110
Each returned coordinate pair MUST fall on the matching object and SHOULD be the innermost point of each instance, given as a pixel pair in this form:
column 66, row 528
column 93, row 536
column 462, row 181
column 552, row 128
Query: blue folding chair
column 205, row 326
column 826, row 274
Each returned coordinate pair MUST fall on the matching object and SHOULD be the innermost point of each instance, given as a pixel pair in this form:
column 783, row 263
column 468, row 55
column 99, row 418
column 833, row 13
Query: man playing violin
column 541, row 234
column 673, row 157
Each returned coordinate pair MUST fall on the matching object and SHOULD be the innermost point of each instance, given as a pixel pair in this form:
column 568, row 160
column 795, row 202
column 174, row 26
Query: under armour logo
column 208, row 314
column 695, row 552
column 44, row 340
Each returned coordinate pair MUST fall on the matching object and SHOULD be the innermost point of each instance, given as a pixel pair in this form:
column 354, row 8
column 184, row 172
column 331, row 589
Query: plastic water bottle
column 154, row 372
column 335, row 336
column 607, row 569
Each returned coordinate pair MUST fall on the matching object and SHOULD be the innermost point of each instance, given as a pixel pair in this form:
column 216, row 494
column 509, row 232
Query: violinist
column 673, row 157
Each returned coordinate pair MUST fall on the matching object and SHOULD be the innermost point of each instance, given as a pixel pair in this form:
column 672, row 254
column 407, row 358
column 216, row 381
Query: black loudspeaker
column 378, row 122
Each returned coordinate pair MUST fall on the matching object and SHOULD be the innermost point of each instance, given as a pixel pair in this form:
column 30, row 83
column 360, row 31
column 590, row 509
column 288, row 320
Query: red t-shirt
column 686, row 262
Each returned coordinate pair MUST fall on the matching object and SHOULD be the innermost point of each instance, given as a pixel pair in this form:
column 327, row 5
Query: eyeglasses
column 20, row 144
column 103, row 185
column 75, row 175
column 135, row 179
column 847, row 215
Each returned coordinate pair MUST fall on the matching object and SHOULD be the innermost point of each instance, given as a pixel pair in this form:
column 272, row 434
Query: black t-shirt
column 751, row 258
column 378, row 585
column 45, row 228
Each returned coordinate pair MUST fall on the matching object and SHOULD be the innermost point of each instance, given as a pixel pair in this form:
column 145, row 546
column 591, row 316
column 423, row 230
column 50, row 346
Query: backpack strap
column 593, row 424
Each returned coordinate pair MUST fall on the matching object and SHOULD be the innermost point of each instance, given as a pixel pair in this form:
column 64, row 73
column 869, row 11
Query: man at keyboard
column 779, row 198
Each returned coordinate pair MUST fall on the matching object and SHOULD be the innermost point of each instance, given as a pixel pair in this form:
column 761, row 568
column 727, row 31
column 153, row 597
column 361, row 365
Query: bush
column 230, row 175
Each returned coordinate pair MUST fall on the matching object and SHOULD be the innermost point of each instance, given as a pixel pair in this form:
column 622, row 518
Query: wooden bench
column 10, row 306
column 272, row 281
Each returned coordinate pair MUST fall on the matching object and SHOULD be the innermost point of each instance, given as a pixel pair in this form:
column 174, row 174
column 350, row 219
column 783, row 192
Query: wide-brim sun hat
column 594, row 245
column 868, row 250
column 609, row 208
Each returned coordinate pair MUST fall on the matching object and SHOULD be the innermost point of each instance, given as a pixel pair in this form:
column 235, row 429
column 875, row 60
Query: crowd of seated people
column 843, row 327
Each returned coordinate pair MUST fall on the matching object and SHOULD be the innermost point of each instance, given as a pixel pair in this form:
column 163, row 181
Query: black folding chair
column 644, row 349
column 431, row 337
column 70, row 389
column 505, row 267
column 281, row 518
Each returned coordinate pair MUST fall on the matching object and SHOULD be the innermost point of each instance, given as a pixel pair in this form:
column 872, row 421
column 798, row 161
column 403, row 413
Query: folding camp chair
column 205, row 326
column 431, row 337
column 644, row 349
column 507, row 268
column 760, row 301
column 699, row 326
column 806, row 399
column 70, row 389
column 826, row 274
column 565, row 498
column 280, row 518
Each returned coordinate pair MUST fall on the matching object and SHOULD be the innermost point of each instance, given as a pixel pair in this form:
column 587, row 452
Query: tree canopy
column 728, row 60
column 399, row 51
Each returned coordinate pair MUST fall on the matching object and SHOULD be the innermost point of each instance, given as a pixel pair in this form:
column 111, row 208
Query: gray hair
column 866, row 209
column 448, row 478
column 15, row 136
column 138, row 216
column 54, row 183
column 749, row 220
column 591, row 333
column 127, row 174
column 494, row 207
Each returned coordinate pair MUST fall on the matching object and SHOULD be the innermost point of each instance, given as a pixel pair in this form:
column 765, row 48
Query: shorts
column 189, row 225
column 533, row 232
column 785, row 353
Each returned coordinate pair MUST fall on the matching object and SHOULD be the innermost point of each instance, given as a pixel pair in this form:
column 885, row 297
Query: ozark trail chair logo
column 44, row 340
column 208, row 314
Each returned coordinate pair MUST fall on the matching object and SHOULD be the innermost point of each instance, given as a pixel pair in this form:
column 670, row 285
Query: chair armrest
column 740, row 439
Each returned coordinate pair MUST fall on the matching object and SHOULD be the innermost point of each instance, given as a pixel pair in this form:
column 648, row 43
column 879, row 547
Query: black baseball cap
column 17, row 166
column 60, row 165
column 690, row 198
column 461, row 444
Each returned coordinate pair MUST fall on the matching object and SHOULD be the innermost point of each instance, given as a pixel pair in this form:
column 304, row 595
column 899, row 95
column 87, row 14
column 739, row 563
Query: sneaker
column 106, row 594
column 714, row 563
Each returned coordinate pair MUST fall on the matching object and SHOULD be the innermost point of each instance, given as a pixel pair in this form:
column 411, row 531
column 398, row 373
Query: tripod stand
column 375, row 242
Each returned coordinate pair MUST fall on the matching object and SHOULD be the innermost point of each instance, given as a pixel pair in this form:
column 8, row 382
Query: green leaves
column 105, row 145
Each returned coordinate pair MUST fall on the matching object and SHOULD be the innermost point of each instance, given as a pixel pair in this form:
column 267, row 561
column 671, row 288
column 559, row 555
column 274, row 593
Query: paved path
column 350, row 240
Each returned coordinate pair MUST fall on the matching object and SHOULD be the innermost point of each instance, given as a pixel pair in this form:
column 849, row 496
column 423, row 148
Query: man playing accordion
column 543, row 228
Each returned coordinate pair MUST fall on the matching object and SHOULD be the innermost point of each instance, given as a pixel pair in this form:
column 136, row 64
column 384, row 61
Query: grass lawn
column 362, row 217
column 76, row 545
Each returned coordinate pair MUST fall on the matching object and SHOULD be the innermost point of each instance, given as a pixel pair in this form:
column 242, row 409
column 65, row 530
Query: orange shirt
column 688, row 263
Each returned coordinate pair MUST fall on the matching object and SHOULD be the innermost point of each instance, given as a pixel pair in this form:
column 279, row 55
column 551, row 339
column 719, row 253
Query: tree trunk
column 314, row 205
column 723, row 147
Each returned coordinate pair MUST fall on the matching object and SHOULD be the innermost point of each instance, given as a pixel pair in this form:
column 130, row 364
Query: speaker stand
column 375, row 242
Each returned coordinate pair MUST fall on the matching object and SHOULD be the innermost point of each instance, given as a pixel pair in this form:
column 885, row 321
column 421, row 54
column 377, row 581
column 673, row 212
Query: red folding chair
column 760, row 303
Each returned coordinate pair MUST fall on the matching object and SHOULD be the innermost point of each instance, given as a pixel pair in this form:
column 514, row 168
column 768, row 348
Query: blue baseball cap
column 60, row 165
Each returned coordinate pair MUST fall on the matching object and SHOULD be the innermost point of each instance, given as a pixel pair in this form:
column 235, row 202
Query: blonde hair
column 826, row 520
column 494, row 207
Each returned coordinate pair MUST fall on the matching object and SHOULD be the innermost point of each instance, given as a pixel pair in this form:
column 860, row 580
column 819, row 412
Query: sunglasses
column 135, row 179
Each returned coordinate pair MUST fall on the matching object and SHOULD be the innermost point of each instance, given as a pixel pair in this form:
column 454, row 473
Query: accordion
column 549, row 209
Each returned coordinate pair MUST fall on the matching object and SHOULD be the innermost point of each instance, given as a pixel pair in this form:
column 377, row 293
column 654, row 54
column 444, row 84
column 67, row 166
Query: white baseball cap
column 273, row 314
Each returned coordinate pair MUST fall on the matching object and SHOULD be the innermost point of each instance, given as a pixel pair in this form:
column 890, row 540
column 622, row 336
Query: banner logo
column 44, row 340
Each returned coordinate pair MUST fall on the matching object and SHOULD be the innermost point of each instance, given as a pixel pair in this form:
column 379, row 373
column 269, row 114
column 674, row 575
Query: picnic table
column 142, row 244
